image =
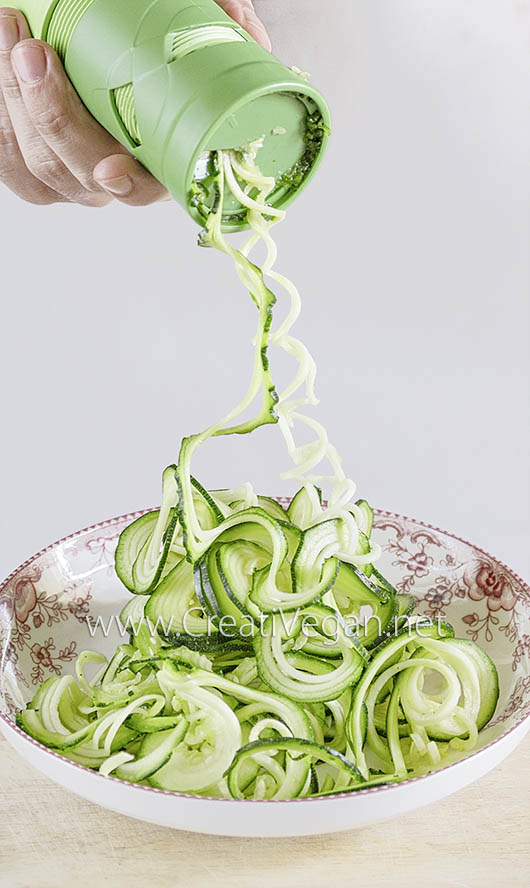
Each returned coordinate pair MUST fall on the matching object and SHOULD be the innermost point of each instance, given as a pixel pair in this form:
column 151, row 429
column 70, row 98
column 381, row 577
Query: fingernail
column 30, row 62
column 8, row 32
column 121, row 186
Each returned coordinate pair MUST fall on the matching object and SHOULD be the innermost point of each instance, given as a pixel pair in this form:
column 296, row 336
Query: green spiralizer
column 174, row 81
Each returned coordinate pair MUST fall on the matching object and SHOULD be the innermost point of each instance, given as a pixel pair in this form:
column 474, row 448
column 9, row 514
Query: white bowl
column 45, row 603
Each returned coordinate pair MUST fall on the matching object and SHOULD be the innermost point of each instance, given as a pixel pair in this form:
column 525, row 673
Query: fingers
column 243, row 12
column 32, row 169
column 59, row 140
column 57, row 113
column 51, row 146
column 13, row 170
column 127, row 180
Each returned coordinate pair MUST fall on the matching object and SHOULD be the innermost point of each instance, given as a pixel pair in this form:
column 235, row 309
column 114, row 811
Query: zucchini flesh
column 305, row 506
column 343, row 773
column 228, row 575
column 149, row 759
column 488, row 679
column 273, row 508
column 208, row 748
column 416, row 716
column 173, row 608
column 405, row 605
column 185, row 728
column 302, row 684
column 370, row 607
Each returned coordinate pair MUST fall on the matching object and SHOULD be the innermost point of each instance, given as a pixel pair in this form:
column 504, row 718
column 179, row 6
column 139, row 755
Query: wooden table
column 52, row 839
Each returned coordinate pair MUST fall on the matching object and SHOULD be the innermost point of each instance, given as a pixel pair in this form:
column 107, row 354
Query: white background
column 410, row 248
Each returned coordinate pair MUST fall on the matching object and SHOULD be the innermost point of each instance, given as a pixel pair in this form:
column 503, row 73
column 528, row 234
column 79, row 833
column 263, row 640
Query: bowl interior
column 66, row 599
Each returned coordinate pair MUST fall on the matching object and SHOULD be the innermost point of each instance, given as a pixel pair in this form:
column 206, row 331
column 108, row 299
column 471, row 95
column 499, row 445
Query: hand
column 51, row 148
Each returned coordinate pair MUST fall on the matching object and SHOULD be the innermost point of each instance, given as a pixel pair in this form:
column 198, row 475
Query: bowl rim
column 130, row 516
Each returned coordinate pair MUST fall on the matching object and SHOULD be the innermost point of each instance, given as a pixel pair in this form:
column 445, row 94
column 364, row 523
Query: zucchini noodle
column 300, row 699
column 238, row 171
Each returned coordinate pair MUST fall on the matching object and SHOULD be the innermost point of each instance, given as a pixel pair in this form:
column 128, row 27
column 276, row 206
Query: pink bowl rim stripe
column 343, row 795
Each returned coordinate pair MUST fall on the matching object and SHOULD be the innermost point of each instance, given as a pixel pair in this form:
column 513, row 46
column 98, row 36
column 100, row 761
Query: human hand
column 51, row 148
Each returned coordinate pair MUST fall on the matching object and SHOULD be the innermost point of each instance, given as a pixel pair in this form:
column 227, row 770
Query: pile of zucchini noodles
column 268, row 658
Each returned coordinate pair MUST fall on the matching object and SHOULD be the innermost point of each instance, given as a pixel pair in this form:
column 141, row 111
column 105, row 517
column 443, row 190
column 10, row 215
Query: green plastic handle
column 175, row 79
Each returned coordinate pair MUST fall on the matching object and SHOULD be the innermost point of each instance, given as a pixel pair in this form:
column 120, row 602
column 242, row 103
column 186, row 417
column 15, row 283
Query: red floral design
column 419, row 563
column 471, row 619
column 25, row 603
column 438, row 597
column 410, row 551
column 415, row 564
column 44, row 658
column 102, row 546
column 522, row 650
column 25, row 593
column 78, row 607
column 468, row 574
column 41, row 653
column 47, row 609
column 487, row 580
column 28, row 608
column 519, row 702
column 478, row 625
